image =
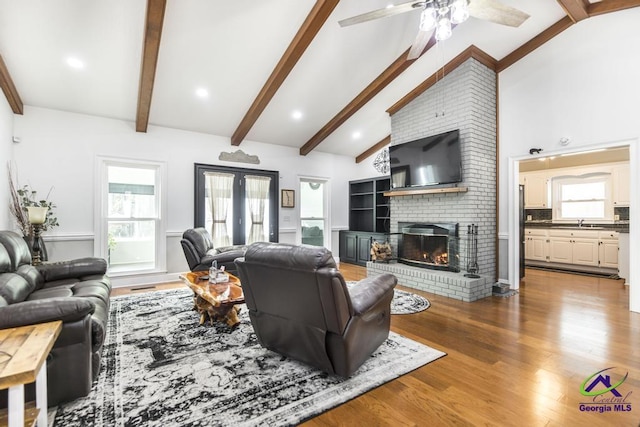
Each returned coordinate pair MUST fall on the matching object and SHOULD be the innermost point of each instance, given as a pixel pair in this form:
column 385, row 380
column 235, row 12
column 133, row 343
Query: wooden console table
column 23, row 360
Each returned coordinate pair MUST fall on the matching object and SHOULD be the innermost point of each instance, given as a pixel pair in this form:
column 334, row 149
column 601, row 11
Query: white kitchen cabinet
column 578, row 247
column 535, row 244
column 621, row 179
column 536, row 190
column 608, row 252
column 561, row 250
column 585, row 252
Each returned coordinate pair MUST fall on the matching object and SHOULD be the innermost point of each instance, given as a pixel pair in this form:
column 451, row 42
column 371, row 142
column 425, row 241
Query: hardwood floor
column 517, row 361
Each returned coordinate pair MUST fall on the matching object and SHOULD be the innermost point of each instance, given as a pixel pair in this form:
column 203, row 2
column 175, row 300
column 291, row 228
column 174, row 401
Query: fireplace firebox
column 432, row 246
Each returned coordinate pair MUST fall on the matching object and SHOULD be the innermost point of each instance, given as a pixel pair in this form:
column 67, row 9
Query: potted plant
column 23, row 198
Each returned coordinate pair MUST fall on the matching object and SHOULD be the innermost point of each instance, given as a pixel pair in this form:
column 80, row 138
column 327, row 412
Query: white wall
column 584, row 85
column 59, row 149
column 6, row 147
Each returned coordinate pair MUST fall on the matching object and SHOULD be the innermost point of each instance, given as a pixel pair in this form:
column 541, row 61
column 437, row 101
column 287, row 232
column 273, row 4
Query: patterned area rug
column 160, row 368
column 404, row 302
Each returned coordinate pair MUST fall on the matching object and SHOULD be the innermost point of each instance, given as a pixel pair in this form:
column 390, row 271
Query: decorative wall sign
column 288, row 198
column 240, row 157
column 381, row 162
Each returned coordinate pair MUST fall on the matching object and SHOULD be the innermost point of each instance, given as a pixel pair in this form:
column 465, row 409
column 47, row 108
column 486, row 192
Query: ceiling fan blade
column 421, row 41
column 494, row 11
column 382, row 13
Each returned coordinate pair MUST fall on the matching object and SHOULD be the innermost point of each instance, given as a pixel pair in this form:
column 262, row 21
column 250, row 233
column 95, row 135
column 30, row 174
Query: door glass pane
column 219, row 207
column 257, row 208
column 132, row 208
column 312, row 218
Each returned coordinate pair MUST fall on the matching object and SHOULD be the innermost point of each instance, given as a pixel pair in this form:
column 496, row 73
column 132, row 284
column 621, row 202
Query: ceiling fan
column 440, row 15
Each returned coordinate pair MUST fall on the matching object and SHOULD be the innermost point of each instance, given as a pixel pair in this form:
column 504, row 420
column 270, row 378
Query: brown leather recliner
column 300, row 306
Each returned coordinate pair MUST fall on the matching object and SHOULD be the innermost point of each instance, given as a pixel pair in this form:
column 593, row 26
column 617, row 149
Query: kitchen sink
column 575, row 227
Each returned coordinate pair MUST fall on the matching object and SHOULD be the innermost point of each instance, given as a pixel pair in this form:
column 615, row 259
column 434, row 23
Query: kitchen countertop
column 619, row 226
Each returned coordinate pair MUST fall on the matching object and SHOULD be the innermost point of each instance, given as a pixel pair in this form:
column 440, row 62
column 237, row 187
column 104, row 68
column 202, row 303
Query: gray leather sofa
column 76, row 292
column 300, row 306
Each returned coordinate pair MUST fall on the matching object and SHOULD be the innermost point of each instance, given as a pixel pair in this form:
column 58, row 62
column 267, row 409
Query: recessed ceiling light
column 296, row 114
column 356, row 135
column 75, row 63
column 202, row 92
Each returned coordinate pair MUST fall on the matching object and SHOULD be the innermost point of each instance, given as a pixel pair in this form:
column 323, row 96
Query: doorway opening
column 623, row 215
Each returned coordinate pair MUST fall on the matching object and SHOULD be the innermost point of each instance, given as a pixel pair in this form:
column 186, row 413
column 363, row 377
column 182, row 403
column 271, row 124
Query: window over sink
column 586, row 197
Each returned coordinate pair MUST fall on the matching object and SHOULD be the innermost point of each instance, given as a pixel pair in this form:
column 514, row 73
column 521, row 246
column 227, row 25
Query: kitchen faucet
column 580, row 221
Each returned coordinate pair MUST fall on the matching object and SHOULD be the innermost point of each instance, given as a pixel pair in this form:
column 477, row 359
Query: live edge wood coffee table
column 23, row 360
column 212, row 300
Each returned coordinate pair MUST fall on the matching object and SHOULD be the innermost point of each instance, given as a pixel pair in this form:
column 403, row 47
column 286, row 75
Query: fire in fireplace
column 432, row 246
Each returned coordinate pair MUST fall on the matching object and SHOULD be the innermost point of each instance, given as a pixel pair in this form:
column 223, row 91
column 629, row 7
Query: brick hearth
column 445, row 283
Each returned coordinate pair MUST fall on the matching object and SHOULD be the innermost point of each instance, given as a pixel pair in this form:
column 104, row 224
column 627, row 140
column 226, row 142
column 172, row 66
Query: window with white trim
column 583, row 197
column 131, row 228
column 314, row 212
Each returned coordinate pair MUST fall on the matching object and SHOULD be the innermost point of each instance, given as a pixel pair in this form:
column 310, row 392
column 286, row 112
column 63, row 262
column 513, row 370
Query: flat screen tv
column 433, row 160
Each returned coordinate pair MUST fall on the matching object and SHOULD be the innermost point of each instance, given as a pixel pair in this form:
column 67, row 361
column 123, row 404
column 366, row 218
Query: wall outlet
column 529, row 217
column 616, row 217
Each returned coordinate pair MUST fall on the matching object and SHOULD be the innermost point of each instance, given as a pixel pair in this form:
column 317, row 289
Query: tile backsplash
column 545, row 214
column 538, row 214
column 622, row 212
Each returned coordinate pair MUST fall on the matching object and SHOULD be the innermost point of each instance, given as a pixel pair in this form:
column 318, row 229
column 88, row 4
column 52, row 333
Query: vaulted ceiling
column 275, row 71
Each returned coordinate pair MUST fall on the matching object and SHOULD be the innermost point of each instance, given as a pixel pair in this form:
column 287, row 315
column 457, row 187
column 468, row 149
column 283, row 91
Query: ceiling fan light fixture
column 443, row 30
column 459, row 11
column 428, row 19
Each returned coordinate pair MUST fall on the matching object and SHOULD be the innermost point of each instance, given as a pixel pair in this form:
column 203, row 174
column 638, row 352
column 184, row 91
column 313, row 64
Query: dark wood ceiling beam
column 378, row 146
column 534, row 43
column 401, row 64
column 150, row 51
column 575, row 9
column 379, row 83
column 9, row 89
column 609, row 6
column 470, row 52
column 307, row 32
column 593, row 9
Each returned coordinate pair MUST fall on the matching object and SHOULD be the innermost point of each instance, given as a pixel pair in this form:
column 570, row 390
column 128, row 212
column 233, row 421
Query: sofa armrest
column 368, row 292
column 72, row 269
column 45, row 310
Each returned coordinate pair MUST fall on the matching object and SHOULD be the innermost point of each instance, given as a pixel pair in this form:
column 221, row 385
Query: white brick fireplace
column 466, row 100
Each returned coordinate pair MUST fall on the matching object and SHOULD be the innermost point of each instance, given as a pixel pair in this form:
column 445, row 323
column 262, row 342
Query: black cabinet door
column 364, row 249
column 348, row 247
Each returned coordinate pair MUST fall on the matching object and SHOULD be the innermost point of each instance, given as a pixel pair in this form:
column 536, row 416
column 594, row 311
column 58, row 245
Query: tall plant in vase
column 23, row 198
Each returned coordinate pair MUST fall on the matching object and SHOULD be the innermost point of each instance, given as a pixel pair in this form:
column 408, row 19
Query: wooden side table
column 23, row 360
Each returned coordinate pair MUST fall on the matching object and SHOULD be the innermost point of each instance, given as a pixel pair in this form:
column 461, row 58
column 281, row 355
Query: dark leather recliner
column 200, row 253
column 76, row 292
column 300, row 306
